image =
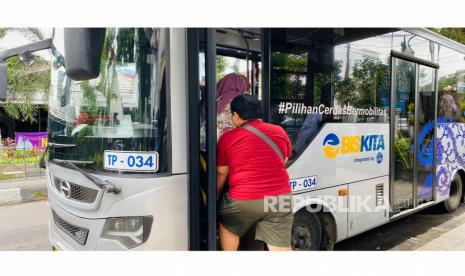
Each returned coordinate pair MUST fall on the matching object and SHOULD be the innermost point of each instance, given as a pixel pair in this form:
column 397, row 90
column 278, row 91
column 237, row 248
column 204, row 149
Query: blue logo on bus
column 333, row 145
column 379, row 158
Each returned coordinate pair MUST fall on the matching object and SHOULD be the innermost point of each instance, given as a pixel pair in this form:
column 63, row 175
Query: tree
column 368, row 76
column 450, row 80
column 287, row 68
column 457, row 34
column 24, row 81
column 221, row 65
column 362, row 89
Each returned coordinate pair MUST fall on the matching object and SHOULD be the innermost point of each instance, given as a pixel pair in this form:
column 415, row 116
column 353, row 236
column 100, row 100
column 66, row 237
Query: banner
column 29, row 140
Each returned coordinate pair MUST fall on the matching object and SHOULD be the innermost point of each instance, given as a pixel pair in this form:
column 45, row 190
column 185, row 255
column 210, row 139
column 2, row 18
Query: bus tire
column 455, row 194
column 306, row 231
column 461, row 173
column 328, row 237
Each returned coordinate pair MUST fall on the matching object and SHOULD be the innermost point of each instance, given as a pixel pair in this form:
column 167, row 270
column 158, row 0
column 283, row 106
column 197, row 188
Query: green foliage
column 362, row 89
column 86, row 131
column 221, row 65
column 346, row 92
column 450, row 80
column 90, row 99
column 319, row 81
column 402, row 151
column 368, row 75
column 124, row 51
column 22, row 83
column 289, row 62
column 20, row 156
column 287, row 68
column 32, row 34
column 457, row 34
column 125, row 41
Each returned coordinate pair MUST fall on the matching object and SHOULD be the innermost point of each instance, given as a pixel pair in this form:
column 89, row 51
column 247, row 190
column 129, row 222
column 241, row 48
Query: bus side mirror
column 24, row 52
column 83, row 51
column 3, row 81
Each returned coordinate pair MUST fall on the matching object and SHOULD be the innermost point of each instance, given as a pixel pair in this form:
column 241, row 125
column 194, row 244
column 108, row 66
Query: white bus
column 375, row 116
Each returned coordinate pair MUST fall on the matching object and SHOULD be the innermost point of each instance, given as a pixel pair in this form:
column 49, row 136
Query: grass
column 23, row 161
column 19, row 157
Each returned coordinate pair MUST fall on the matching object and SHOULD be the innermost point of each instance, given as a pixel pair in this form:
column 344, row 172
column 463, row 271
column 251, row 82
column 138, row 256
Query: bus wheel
column 306, row 231
column 455, row 194
column 328, row 235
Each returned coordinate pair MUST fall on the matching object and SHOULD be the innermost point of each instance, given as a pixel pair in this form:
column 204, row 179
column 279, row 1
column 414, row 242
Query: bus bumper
column 69, row 232
column 62, row 225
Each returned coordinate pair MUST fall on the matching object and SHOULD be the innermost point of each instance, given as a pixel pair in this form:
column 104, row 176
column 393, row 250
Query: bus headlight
column 130, row 231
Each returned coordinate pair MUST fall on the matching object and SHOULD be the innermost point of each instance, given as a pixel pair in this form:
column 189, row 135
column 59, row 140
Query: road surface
column 25, row 226
column 409, row 233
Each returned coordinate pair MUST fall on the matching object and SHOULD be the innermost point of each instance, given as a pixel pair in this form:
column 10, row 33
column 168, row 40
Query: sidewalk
column 453, row 240
column 19, row 191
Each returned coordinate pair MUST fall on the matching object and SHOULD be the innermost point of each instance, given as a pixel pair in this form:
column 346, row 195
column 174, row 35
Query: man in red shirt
column 253, row 156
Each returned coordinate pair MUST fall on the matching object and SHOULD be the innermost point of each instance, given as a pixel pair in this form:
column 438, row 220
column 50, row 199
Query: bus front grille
column 77, row 192
column 77, row 233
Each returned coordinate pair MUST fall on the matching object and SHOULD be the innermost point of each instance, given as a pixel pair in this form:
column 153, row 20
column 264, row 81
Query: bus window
column 451, row 105
column 124, row 109
column 414, row 45
column 250, row 69
column 328, row 75
column 238, row 64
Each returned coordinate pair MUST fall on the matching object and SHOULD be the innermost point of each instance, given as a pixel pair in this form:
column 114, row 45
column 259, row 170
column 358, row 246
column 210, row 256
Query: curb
column 10, row 196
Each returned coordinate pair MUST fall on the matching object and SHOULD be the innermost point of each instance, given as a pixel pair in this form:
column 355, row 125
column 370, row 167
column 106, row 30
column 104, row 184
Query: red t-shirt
column 255, row 169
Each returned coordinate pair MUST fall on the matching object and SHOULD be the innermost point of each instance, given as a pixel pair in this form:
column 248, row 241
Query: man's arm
column 221, row 175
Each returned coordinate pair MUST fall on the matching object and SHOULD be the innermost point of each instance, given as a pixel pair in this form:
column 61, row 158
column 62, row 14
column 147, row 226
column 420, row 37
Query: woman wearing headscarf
column 230, row 86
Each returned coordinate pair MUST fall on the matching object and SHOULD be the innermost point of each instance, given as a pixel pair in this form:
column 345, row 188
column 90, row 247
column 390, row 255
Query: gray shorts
column 274, row 225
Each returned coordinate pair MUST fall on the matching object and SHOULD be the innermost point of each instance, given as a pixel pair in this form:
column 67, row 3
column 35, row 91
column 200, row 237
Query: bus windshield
column 123, row 109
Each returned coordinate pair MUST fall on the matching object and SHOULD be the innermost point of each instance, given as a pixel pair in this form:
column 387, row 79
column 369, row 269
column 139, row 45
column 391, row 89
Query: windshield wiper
column 42, row 163
column 79, row 162
column 105, row 185
column 57, row 145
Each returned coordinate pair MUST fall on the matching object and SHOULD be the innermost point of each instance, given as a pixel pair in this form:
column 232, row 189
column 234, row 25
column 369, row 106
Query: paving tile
column 459, row 246
column 429, row 247
column 408, row 245
column 449, row 239
column 457, row 233
column 429, row 235
column 413, row 233
column 445, row 242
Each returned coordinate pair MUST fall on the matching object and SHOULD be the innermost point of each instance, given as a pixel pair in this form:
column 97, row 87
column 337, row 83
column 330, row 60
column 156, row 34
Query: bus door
column 413, row 124
column 238, row 52
column 201, row 65
column 212, row 54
